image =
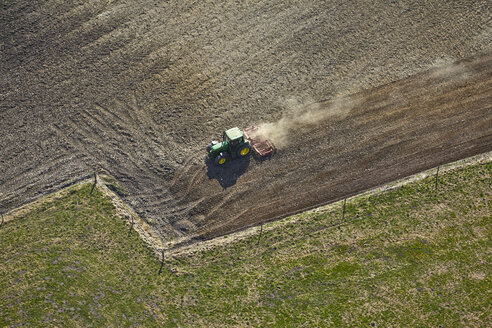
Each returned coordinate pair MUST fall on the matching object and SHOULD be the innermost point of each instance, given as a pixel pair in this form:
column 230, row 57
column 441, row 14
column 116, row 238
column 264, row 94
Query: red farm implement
column 263, row 147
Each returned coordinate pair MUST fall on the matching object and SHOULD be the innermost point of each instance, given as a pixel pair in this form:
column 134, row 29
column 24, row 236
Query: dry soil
column 138, row 89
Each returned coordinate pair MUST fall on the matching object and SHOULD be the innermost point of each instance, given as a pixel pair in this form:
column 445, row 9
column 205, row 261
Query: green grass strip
column 410, row 257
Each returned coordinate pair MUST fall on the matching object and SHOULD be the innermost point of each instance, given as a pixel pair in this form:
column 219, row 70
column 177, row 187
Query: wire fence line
column 261, row 234
column 344, row 205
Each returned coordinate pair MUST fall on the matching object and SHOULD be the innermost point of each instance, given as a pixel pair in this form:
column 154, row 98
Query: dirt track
column 139, row 89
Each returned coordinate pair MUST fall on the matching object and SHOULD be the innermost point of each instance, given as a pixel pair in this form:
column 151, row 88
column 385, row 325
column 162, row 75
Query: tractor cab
column 234, row 145
column 233, row 136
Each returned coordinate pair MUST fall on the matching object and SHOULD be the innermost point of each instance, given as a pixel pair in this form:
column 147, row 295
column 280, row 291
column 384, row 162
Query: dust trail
column 448, row 70
column 305, row 116
column 441, row 73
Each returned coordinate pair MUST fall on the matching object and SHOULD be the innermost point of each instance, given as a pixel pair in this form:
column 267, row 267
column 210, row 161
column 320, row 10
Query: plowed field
column 138, row 89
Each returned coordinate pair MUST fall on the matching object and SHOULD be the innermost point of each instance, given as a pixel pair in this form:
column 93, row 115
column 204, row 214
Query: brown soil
column 138, row 88
column 395, row 130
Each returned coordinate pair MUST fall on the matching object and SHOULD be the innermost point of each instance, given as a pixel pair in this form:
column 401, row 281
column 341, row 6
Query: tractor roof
column 234, row 133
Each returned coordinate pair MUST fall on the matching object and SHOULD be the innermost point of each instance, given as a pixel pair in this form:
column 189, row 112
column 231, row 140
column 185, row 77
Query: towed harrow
column 263, row 147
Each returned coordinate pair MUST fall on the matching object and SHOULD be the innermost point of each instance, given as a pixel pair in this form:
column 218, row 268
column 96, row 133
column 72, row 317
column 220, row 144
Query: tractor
column 234, row 145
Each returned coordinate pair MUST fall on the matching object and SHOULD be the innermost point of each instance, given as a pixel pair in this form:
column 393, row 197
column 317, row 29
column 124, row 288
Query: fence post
column 95, row 182
column 343, row 211
column 437, row 175
column 162, row 261
column 259, row 237
column 131, row 226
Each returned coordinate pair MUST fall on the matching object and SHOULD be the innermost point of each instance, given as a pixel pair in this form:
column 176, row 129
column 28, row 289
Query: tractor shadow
column 228, row 174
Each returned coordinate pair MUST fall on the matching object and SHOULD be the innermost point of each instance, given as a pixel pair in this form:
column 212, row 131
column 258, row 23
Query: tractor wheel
column 243, row 150
column 221, row 159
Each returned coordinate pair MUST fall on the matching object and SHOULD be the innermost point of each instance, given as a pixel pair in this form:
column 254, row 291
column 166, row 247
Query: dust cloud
column 304, row 116
column 442, row 73
column 448, row 70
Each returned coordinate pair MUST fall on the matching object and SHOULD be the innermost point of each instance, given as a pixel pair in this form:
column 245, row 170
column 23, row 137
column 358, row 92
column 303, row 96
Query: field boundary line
column 190, row 244
column 251, row 231
column 20, row 211
column 125, row 212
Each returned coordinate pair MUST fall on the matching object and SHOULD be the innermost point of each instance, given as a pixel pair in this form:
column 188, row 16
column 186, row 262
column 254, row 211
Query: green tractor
column 234, row 145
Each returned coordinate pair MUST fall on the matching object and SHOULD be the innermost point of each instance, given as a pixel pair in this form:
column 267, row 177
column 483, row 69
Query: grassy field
column 409, row 257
